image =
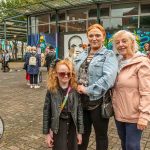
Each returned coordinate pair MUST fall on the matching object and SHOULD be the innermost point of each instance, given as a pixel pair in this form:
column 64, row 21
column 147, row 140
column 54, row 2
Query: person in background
column 6, row 61
column 147, row 49
column 2, row 60
column 26, row 57
column 131, row 93
column 97, row 69
column 50, row 56
column 34, row 63
column 62, row 113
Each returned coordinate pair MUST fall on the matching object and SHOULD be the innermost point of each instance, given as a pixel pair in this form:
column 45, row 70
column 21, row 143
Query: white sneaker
column 28, row 83
column 31, row 86
column 36, row 86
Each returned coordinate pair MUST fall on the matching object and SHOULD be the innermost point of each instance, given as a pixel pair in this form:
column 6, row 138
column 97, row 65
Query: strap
column 66, row 98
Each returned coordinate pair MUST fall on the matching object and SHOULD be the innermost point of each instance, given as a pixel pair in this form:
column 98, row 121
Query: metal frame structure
column 13, row 26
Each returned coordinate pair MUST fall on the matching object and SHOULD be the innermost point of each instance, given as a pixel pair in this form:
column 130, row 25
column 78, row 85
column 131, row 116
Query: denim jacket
column 102, row 72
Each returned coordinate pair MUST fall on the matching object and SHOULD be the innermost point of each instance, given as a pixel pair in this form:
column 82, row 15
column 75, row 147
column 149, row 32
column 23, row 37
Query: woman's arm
column 47, row 113
column 144, row 90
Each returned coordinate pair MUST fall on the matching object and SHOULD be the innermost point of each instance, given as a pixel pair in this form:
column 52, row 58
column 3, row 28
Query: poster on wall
column 74, row 44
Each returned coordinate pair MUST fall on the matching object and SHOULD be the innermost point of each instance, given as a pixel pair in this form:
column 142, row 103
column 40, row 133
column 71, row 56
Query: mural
column 141, row 37
column 41, row 41
column 74, row 44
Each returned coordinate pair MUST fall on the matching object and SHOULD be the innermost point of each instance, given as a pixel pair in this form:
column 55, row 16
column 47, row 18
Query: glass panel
column 61, row 17
column 124, row 23
column 33, row 25
column 76, row 14
column 145, row 8
column 145, row 22
column 43, row 28
column 92, row 13
column 53, row 17
column 104, row 12
column 52, row 28
column 77, row 26
column 62, row 27
column 106, row 23
column 91, row 22
column 43, row 19
column 32, row 21
column 124, row 10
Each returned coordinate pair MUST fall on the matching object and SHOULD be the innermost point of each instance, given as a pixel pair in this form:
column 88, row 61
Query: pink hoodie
column 131, row 94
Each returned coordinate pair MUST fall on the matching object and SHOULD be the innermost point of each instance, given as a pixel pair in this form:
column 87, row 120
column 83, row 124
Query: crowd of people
column 5, row 58
column 33, row 62
column 76, row 91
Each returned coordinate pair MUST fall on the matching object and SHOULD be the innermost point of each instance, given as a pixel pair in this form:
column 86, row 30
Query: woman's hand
column 81, row 89
column 49, row 139
column 79, row 138
column 141, row 126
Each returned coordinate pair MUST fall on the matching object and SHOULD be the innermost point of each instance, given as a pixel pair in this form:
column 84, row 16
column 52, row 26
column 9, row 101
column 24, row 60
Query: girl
column 62, row 113
column 34, row 64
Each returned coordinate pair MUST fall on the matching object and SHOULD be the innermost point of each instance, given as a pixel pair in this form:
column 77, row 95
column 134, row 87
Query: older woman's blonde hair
column 130, row 35
column 28, row 48
column 53, row 83
column 99, row 27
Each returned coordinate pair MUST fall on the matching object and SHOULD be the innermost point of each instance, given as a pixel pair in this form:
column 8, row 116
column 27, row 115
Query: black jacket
column 51, row 111
column 49, row 58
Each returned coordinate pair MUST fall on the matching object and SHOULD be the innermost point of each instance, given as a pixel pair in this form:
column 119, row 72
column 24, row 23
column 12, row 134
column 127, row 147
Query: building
column 61, row 22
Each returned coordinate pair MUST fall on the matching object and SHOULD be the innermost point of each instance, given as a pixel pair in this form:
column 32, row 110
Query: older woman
column 131, row 97
column 97, row 69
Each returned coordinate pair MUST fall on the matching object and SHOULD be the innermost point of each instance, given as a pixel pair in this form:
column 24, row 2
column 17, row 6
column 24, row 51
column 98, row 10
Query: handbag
column 106, row 107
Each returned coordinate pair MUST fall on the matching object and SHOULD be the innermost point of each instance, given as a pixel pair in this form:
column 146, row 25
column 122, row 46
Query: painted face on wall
column 96, row 38
column 124, row 45
column 75, row 44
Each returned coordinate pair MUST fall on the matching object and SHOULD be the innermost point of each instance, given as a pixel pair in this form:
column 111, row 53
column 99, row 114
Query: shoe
column 36, row 86
column 31, row 86
column 28, row 83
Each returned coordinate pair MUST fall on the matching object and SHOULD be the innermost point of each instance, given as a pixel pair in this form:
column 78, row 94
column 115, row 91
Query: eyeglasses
column 63, row 74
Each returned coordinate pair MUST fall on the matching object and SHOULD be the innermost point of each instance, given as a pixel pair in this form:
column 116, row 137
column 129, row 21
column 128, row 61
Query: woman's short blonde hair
column 53, row 83
column 130, row 35
column 99, row 27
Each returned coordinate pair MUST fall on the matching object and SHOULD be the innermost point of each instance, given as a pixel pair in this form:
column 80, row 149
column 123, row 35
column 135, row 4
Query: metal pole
column 98, row 14
column 57, row 30
column 27, row 29
column 5, row 36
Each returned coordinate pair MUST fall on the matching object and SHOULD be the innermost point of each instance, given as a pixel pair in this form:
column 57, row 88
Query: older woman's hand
column 81, row 89
column 141, row 126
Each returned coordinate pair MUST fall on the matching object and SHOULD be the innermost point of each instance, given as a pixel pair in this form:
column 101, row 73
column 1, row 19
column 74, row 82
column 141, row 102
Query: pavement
column 21, row 109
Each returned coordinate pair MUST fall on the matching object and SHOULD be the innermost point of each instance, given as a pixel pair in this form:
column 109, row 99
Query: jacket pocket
column 98, row 68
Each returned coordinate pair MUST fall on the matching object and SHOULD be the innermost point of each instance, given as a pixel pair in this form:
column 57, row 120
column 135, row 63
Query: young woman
column 131, row 96
column 97, row 69
column 62, row 114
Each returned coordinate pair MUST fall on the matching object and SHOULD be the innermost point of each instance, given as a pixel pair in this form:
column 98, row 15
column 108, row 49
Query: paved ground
column 21, row 110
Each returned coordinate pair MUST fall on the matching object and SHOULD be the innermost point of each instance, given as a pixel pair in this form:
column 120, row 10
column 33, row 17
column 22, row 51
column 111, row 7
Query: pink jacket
column 131, row 95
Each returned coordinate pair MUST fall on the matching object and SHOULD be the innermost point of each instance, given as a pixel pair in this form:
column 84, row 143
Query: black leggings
column 33, row 78
column 93, row 117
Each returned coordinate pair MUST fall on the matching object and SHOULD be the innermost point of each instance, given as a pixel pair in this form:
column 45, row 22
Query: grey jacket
column 51, row 111
column 102, row 72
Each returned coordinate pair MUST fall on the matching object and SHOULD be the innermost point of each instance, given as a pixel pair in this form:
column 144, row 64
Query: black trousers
column 66, row 138
column 93, row 117
column 5, row 65
column 33, row 78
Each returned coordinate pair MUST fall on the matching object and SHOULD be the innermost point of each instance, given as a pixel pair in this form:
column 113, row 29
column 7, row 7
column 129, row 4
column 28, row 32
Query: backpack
column 32, row 61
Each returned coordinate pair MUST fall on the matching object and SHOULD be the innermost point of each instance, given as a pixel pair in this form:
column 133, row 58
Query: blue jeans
column 129, row 135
